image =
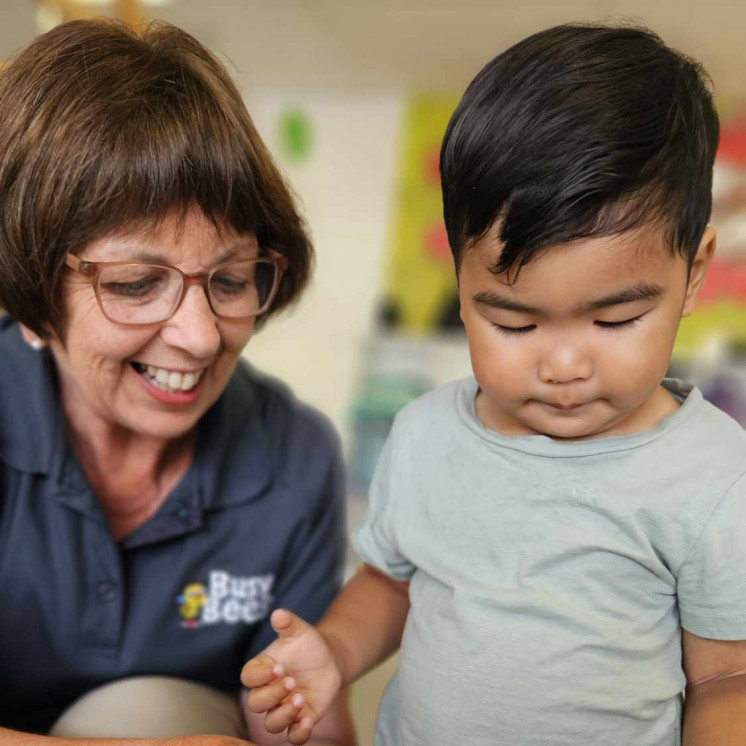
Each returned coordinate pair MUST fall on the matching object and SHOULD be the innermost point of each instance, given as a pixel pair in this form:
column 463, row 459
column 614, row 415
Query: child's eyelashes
column 619, row 325
column 512, row 331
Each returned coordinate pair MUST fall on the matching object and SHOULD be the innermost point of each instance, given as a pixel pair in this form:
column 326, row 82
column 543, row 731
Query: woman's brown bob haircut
column 106, row 130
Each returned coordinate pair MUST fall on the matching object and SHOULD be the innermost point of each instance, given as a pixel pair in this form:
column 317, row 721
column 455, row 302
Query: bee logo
column 191, row 601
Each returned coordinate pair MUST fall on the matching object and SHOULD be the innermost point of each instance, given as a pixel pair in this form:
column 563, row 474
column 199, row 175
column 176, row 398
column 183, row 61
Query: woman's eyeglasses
column 143, row 294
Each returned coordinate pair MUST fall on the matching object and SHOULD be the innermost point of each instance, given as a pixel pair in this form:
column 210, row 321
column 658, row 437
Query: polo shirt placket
column 103, row 611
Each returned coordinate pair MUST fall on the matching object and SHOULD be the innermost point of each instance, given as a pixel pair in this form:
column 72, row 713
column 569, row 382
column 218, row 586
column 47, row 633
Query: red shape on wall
column 732, row 148
column 436, row 242
column 726, row 280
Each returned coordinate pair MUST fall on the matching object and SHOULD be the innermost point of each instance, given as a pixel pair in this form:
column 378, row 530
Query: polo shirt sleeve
column 312, row 573
column 711, row 583
column 377, row 541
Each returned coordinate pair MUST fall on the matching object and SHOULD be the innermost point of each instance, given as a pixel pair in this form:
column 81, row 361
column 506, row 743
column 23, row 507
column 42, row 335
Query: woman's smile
column 171, row 386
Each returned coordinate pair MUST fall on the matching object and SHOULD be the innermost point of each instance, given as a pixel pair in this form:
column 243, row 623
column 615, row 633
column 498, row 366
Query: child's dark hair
column 580, row 131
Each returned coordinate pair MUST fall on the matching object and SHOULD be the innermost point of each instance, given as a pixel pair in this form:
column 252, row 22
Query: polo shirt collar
column 233, row 455
column 30, row 412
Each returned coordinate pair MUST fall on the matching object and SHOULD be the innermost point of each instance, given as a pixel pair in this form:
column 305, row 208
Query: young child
column 549, row 535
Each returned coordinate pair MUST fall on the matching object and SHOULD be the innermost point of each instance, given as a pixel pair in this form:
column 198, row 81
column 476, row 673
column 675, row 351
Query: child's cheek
column 636, row 366
column 505, row 376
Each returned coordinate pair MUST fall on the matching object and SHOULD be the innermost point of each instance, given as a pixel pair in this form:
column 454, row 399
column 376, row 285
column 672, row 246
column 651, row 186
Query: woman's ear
column 698, row 272
column 32, row 339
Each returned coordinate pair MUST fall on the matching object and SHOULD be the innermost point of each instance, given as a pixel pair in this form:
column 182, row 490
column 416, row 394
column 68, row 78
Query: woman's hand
column 294, row 680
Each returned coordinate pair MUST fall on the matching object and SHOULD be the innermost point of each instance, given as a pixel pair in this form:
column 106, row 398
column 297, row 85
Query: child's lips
column 566, row 406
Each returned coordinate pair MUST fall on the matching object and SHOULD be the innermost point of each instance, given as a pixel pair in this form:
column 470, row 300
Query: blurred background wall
column 336, row 88
column 352, row 98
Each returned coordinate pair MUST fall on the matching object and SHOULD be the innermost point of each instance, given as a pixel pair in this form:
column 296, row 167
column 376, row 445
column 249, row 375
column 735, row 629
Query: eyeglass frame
column 92, row 271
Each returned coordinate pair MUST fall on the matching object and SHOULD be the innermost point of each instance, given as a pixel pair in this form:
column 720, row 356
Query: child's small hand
column 294, row 680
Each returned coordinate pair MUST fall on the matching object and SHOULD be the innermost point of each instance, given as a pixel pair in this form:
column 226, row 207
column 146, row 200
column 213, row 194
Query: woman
column 157, row 496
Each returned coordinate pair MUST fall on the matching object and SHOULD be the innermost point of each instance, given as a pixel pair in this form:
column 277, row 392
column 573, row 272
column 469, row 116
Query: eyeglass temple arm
column 79, row 265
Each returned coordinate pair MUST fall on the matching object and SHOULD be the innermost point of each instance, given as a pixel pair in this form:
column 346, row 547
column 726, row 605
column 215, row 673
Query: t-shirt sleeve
column 376, row 541
column 711, row 583
column 313, row 572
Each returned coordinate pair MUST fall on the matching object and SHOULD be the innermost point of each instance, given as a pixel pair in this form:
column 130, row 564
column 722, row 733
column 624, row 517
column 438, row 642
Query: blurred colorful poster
column 421, row 287
column 720, row 317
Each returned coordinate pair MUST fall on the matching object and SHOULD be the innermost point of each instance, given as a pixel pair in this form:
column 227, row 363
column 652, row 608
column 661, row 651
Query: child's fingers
column 287, row 624
column 260, row 671
column 270, row 696
column 285, row 715
column 301, row 731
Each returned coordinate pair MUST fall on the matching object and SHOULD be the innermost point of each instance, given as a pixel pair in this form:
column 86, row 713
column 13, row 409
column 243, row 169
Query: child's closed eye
column 612, row 325
column 619, row 325
column 514, row 330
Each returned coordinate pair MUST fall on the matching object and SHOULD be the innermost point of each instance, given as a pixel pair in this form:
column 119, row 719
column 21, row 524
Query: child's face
column 578, row 345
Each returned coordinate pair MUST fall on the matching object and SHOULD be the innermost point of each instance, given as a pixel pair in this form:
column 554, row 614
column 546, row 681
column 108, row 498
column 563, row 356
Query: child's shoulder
column 711, row 430
column 704, row 450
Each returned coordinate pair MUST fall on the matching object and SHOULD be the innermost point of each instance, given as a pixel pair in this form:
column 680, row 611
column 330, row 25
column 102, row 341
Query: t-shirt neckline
column 543, row 445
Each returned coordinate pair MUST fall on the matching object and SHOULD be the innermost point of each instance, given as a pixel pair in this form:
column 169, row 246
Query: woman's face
column 156, row 381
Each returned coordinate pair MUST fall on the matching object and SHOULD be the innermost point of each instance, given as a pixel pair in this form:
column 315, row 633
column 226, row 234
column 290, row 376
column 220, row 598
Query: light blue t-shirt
column 550, row 580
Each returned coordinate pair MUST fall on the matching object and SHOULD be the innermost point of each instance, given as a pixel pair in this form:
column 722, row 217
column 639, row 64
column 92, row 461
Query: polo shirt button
column 184, row 516
column 107, row 591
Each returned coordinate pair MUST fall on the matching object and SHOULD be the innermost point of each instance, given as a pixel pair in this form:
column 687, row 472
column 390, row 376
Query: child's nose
column 565, row 365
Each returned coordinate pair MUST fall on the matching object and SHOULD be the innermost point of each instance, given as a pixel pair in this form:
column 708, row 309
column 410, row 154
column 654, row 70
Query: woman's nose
column 194, row 326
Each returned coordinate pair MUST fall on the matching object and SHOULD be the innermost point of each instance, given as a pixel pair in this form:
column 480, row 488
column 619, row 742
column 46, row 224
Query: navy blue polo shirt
column 257, row 522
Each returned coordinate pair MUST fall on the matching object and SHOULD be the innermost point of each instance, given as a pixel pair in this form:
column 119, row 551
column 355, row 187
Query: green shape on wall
column 296, row 135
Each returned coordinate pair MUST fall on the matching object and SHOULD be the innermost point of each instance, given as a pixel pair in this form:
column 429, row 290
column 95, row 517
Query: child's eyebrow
column 491, row 298
column 639, row 292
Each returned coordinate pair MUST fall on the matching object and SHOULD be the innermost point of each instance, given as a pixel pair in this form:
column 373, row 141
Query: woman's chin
column 165, row 428
column 154, row 422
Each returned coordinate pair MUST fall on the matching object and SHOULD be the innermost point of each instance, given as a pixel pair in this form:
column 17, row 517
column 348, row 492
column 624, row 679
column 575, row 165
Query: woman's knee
column 151, row 707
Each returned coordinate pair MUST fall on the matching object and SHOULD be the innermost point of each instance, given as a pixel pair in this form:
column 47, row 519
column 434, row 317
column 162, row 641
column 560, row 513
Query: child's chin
column 568, row 430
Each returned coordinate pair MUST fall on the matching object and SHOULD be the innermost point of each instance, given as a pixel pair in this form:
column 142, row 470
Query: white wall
column 346, row 189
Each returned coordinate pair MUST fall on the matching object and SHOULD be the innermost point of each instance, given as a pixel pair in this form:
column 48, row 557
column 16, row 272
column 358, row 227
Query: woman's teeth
column 170, row 380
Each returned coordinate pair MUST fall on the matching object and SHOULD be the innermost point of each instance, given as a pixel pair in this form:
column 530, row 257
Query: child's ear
column 699, row 269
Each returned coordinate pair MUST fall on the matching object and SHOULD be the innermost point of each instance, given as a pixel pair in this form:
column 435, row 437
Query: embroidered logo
column 226, row 598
